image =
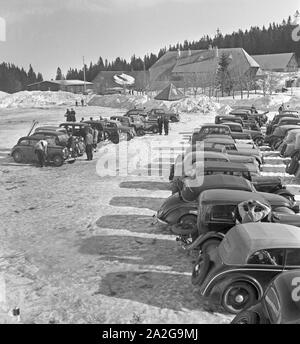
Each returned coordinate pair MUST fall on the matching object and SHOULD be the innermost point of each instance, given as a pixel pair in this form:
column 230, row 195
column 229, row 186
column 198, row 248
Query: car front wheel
column 259, row 141
column 17, row 156
column 238, row 296
column 246, row 317
column 58, row 160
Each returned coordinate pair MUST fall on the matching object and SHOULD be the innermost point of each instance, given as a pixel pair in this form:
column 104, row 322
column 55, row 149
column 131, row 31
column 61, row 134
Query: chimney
column 178, row 53
column 189, row 52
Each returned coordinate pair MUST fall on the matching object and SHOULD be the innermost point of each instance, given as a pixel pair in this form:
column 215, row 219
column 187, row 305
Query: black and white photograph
column 149, row 164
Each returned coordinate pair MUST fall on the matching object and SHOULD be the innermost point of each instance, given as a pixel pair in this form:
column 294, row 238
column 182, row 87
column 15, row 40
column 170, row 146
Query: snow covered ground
column 79, row 248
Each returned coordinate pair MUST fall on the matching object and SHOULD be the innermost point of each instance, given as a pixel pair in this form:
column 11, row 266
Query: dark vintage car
column 77, row 129
column 260, row 116
column 280, row 303
column 183, row 165
column 220, row 119
column 55, row 137
column 248, row 118
column 276, row 120
column 209, row 129
column 154, row 113
column 176, row 211
column 138, row 112
column 291, row 144
column 226, row 144
column 50, row 128
column 136, row 127
column 276, row 138
column 143, row 126
column 116, row 132
column 24, row 151
column 238, row 133
column 239, row 270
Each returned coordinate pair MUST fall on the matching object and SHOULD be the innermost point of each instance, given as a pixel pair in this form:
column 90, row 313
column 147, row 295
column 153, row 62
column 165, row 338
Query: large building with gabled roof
column 199, row 67
column 286, row 62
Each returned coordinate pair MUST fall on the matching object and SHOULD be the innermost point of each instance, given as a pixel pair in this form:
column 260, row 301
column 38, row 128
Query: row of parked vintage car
column 252, row 269
column 136, row 122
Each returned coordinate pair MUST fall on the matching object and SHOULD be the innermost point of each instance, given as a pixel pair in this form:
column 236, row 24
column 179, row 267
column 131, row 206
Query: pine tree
column 59, row 75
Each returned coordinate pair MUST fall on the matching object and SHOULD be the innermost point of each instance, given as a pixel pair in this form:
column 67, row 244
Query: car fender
column 221, row 281
column 173, row 215
column 282, row 192
column 211, row 235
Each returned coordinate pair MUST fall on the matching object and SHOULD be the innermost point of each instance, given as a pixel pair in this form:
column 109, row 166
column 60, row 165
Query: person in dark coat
column 166, row 125
column 68, row 115
column 89, row 140
column 160, row 123
column 73, row 115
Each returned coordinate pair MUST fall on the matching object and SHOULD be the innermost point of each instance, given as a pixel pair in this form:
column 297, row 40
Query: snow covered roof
column 199, row 61
column 64, row 82
column 273, row 61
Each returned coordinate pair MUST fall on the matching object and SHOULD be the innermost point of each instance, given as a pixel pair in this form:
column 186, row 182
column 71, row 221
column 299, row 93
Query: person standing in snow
column 166, row 125
column 73, row 115
column 160, row 123
column 89, row 140
column 40, row 149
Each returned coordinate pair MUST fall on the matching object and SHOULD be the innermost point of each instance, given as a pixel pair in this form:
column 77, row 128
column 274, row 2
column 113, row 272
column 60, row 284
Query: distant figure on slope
column 82, row 102
column 281, row 108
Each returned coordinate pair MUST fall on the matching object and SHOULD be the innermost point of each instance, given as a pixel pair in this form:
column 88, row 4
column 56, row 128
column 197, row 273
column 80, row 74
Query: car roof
column 287, row 127
column 74, row 123
column 212, row 125
column 228, row 166
column 222, row 181
column 287, row 118
column 243, row 240
column 230, row 197
column 232, row 123
column 219, row 139
column 45, row 132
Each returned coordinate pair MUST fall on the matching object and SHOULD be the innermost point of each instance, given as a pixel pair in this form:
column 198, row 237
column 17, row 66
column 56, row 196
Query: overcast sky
column 52, row 33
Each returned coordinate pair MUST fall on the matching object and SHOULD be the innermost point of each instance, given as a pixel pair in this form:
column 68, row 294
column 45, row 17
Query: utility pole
column 84, row 75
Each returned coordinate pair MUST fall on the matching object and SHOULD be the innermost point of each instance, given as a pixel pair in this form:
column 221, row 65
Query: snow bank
column 187, row 105
column 38, row 99
column 3, row 94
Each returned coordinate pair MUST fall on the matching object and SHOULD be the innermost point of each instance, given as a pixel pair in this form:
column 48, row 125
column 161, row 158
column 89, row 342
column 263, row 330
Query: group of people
column 163, row 123
column 283, row 108
column 82, row 102
column 70, row 115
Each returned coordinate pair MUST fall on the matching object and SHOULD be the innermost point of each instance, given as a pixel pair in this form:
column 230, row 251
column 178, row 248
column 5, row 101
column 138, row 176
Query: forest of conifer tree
column 276, row 38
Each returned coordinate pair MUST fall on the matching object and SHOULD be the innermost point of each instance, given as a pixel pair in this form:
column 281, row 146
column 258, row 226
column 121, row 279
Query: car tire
column 246, row 317
column 292, row 167
column 17, row 156
column 237, row 296
column 186, row 226
column 200, row 269
column 155, row 130
column 57, row 160
column 106, row 136
column 129, row 137
column 259, row 141
column 140, row 132
column 210, row 244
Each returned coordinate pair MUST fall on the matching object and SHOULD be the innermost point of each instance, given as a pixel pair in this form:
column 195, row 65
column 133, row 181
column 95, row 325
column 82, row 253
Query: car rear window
column 222, row 212
column 293, row 257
